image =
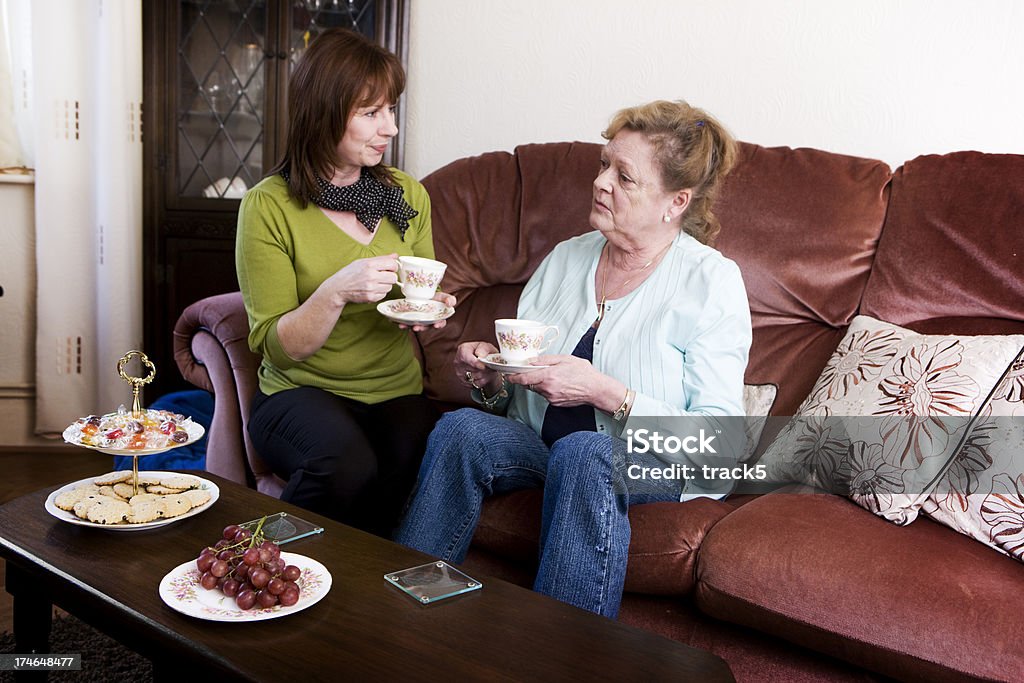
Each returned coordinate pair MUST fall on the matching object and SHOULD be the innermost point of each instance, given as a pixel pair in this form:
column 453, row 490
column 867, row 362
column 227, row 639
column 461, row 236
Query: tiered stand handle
column 137, row 383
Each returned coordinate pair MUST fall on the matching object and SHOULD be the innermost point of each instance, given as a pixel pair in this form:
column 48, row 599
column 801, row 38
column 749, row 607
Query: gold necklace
column 604, row 280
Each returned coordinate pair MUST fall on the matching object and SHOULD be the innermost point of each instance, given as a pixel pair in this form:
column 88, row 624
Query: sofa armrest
column 212, row 352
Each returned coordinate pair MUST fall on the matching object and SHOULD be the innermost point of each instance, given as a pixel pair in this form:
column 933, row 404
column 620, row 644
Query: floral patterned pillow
column 982, row 494
column 757, row 404
column 888, row 413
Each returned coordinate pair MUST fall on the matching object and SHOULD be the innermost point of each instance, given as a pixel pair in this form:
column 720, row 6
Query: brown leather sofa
column 783, row 586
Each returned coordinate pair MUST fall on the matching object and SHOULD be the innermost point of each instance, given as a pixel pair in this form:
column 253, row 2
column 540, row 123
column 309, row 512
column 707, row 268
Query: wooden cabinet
column 214, row 121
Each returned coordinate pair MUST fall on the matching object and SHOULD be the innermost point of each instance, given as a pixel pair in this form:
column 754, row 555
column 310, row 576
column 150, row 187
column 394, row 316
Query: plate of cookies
column 111, row 502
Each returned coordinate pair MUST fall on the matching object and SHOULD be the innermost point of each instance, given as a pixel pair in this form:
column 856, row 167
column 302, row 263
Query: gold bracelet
column 622, row 412
column 490, row 402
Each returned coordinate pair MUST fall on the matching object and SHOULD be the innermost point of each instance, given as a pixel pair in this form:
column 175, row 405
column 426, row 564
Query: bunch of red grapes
column 246, row 567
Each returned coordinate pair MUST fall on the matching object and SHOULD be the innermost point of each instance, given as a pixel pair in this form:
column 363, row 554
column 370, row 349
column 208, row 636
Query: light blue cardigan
column 680, row 339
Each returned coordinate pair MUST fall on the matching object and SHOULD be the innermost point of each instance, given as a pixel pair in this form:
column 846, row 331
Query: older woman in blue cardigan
column 654, row 322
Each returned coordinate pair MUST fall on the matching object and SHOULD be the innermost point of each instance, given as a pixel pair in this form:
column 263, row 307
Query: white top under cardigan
column 680, row 339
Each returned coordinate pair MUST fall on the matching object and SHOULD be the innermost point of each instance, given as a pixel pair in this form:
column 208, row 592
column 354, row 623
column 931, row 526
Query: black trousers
column 350, row 461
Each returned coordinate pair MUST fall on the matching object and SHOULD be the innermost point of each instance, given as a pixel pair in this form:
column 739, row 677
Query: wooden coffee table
column 363, row 627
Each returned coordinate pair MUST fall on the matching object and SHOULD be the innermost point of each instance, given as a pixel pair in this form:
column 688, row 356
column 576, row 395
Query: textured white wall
column 889, row 79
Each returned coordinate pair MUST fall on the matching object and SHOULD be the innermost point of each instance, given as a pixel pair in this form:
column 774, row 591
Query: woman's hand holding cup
column 567, row 381
column 365, row 280
column 470, row 370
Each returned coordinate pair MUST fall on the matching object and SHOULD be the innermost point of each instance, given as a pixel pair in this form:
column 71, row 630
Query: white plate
column 181, row 591
column 409, row 312
column 194, row 429
column 495, row 362
column 71, row 518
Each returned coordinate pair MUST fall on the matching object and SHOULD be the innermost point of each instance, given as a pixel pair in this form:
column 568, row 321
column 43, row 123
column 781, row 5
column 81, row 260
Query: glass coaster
column 282, row 527
column 431, row 582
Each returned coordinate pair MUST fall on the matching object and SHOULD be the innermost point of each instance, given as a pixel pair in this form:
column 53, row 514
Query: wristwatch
column 627, row 404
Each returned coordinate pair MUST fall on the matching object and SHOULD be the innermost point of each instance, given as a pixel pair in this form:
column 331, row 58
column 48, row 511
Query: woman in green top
column 340, row 412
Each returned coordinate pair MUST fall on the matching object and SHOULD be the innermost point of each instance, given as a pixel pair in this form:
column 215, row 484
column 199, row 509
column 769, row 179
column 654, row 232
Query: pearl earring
column 666, row 218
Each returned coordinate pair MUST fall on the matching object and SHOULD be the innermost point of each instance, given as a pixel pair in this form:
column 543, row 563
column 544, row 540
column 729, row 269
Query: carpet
column 103, row 658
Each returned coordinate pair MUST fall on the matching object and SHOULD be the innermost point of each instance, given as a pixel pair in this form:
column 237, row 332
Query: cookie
column 109, row 492
column 172, row 506
column 198, row 497
column 108, row 511
column 142, row 497
column 143, row 511
column 112, row 478
column 82, row 507
column 159, row 489
column 148, row 480
column 180, row 483
column 67, row 499
column 124, row 490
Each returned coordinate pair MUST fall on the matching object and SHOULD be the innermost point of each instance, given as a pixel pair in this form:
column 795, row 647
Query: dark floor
column 23, row 470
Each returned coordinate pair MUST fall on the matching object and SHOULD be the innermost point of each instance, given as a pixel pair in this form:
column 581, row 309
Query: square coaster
column 282, row 527
column 432, row 582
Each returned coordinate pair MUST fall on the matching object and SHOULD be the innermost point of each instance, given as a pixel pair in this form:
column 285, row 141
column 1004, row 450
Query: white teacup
column 521, row 341
column 419, row 277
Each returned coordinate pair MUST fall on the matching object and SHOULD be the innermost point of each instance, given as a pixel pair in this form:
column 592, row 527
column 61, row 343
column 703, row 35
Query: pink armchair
column 212, row 352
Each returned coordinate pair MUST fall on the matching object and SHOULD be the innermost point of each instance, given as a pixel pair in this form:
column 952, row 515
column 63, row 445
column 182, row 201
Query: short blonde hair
column 693, row 150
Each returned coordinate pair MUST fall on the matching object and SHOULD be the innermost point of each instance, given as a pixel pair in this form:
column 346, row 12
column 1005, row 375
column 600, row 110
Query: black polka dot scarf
column 368, row 198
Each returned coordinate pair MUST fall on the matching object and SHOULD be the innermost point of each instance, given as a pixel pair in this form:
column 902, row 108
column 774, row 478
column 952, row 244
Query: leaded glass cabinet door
column 309, row 17
column 221, row 111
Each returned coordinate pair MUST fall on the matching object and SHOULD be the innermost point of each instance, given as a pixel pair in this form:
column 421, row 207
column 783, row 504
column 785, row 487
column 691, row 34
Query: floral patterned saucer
column 411, row 312
column 495, row 362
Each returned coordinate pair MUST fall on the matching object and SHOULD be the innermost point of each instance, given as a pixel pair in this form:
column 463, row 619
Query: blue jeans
column 584, row 540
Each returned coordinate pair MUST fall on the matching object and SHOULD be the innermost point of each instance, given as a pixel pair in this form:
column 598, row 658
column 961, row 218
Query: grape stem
column 257, row 536
column 259, row 531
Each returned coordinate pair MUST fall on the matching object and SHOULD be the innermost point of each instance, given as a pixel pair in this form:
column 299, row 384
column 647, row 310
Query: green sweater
column 283, row 253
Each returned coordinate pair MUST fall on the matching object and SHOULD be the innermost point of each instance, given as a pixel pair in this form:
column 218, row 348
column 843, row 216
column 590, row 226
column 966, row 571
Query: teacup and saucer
column 520, row 342
column 419, row 279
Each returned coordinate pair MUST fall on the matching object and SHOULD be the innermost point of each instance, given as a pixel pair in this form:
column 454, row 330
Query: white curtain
column 11, row 154
column 87, row 76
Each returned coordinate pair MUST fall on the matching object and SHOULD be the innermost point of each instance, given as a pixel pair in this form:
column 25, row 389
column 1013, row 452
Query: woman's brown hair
column 341, row 71
column 693, row 150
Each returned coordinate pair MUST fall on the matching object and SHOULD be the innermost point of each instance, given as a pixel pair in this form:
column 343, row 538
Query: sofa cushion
column 951, row 246
column 889, row 413
column 662, row 552
column 495, row 217
column 982, row 494
column 917, row 603
column 802, row 224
